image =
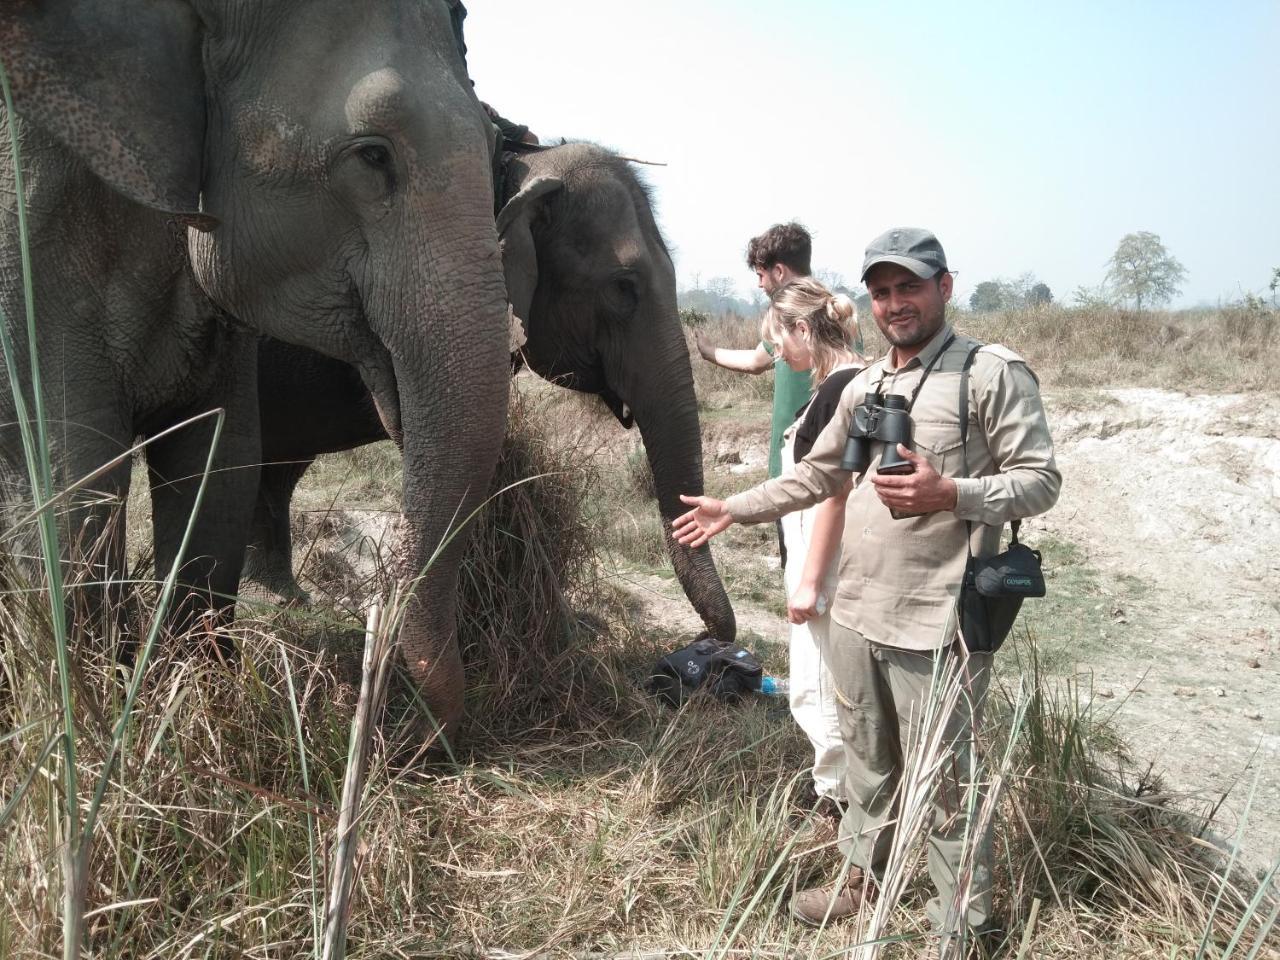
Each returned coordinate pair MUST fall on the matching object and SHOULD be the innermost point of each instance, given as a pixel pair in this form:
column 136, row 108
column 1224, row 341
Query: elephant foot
column 289, row 593
column 276, row 578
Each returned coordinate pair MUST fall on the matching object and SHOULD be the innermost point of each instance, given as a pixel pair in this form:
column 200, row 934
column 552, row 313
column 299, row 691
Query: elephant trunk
column 451, row 371
column 665, row 408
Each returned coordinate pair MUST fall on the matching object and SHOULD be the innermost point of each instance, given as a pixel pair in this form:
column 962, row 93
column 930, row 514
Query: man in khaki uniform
column 894, row 612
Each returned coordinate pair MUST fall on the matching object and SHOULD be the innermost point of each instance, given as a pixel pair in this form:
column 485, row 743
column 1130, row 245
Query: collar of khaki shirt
column 921, row 359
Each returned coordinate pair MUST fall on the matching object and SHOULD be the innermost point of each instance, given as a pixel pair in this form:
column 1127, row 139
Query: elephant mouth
column 586, row 379
column 379, row 376
column 619, row 408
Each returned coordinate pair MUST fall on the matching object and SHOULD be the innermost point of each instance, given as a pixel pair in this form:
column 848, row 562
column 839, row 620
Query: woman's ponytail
column 831, row 319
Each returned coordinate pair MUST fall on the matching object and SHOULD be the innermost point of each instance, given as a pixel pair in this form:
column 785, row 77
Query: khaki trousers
column 881, row 693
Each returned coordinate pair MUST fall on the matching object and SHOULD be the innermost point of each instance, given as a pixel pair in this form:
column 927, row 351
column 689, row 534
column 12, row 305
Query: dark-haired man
column 893, row 620
column 777, row 256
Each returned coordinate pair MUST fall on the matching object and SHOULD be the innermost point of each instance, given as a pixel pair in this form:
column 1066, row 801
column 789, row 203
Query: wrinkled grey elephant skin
column 318, row 170
column 587, row 267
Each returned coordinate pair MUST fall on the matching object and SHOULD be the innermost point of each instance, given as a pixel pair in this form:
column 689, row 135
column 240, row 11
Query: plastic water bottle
column 775, row 686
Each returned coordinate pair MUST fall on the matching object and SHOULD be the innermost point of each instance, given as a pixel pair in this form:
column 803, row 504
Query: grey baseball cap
column 917, row 250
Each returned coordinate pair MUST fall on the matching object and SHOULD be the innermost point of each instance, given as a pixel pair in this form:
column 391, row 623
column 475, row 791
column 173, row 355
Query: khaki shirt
column 899, row 579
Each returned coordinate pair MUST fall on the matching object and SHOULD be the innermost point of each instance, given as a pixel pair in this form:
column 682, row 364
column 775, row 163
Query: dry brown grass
column 1231, row 349
column 633, row 828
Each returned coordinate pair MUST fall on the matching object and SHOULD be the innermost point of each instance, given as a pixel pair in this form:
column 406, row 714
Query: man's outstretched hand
column 707, row 518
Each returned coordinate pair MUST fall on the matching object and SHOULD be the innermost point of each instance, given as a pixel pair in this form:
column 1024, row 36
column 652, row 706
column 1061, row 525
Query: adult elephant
column 317, row 170
column 588, row 270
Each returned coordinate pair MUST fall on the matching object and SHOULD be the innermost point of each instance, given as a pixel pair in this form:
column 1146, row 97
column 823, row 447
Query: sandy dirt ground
column 1173, row 501
column 1183, row 492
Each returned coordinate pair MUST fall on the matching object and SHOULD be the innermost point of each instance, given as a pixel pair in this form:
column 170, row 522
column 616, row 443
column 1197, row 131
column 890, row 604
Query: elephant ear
column 121, row 84
column 515, row 238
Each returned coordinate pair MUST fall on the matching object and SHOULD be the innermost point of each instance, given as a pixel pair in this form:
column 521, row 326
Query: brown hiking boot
column 831, row 903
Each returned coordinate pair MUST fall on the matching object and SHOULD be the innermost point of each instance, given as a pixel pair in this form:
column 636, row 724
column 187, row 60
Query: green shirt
column 791, row 391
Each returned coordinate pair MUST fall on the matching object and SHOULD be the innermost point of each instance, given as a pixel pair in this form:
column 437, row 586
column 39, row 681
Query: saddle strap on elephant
column 992, row 590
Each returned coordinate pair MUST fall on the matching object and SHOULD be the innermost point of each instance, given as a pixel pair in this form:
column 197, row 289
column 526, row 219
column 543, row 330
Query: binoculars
column 884, row 419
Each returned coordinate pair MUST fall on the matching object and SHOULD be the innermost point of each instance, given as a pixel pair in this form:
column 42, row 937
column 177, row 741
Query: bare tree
column 1143, row 271
column 835, row 281
column 723, row 287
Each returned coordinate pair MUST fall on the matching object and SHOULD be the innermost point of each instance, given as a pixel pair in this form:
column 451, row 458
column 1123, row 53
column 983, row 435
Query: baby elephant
column 590, row 276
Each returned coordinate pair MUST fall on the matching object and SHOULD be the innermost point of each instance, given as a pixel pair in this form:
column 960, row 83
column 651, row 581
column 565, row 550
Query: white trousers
column 813, row 694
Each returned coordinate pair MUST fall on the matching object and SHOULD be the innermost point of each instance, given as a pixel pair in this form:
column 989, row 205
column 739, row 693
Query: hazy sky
column 1029, row 136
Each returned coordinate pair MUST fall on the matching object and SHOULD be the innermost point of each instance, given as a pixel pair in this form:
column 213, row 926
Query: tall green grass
column 78, row 832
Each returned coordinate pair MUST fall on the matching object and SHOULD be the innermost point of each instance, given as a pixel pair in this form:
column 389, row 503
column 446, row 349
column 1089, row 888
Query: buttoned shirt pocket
column 939, row 442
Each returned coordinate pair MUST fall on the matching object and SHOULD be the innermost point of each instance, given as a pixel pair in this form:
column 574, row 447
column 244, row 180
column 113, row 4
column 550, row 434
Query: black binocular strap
column 911, row 401
column 964, row 443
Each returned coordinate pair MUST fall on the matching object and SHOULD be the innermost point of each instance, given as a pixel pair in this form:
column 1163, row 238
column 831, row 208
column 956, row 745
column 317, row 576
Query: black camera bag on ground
column 725, row 670
column 992, row 591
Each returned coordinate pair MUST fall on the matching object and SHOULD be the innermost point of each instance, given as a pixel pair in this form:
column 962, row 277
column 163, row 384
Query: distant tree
column 1004, row 293
column 1275, row 284
column 1143, row 271
column 835, row 281
column 987, row 296
column 1092, row 298
column 716, row 301
column 1039, row 295
column 829, row 278
column 722, row 287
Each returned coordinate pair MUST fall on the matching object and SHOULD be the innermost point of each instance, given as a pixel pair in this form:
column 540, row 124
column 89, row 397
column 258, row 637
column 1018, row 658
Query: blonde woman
column 814, row 329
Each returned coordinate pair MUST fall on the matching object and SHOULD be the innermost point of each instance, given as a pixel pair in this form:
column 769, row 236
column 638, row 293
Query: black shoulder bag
column 992, row 591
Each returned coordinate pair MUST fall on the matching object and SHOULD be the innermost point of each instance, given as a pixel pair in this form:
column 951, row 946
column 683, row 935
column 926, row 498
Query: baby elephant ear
column 515, row 237
column 120, row 83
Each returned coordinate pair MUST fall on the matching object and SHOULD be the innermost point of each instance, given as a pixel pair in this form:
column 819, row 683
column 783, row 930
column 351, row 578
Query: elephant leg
column 269, row 558
column 209, row 576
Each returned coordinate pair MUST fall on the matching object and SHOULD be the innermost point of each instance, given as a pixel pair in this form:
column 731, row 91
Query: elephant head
column 588, row 273
column 333, row 167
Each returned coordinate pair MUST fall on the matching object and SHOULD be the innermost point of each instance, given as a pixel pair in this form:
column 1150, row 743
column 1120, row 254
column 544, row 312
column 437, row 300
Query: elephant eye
column 375, row 155
column 624, row 292
column 364, row 171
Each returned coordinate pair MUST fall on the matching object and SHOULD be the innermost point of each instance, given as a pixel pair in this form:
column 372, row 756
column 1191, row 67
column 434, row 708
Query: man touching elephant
column 779, row 255
column 907, row 538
